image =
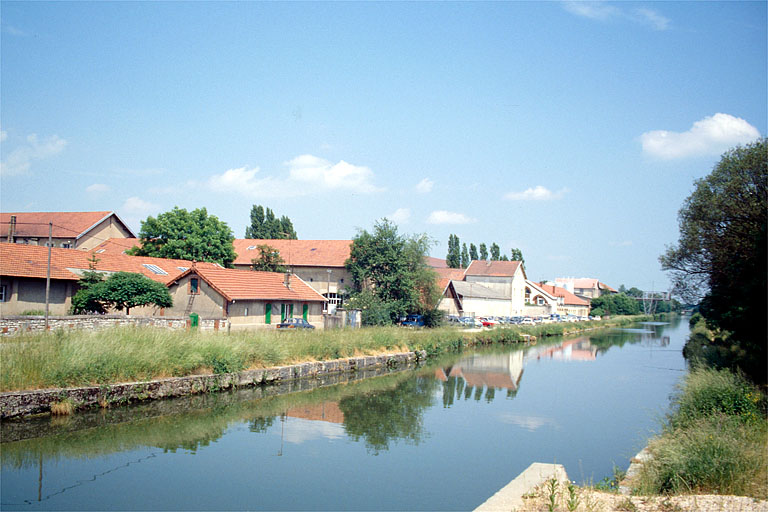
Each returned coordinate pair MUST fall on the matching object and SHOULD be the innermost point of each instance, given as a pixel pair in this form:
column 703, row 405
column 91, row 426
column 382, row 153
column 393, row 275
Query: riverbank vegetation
column 85, row 358
column 713, row 440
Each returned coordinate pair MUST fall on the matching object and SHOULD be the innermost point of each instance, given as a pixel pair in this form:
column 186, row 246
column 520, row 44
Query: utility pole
column 48, row 273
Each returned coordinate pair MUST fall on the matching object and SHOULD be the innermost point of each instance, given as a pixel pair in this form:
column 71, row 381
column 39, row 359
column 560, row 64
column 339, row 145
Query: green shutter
column 305, row 311
column 282, row 312
column 290, row 308
column 268, row 310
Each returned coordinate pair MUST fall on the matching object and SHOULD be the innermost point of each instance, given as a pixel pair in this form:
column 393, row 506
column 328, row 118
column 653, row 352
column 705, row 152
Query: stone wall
column 19, row 324
column 20, row 403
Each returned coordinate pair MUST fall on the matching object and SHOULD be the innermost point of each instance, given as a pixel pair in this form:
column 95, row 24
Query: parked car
column 488, row 321
column 295, row 323
column 413, row 321
column 470, row 322
column 527, row 321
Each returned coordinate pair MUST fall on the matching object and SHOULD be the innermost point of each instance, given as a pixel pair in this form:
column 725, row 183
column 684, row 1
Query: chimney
column 287, row 280
column 11, row 229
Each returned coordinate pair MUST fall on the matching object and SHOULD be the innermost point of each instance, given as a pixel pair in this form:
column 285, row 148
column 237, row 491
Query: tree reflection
column 381, row 417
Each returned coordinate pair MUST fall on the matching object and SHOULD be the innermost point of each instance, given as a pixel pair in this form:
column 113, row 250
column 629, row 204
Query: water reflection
column 377, row 413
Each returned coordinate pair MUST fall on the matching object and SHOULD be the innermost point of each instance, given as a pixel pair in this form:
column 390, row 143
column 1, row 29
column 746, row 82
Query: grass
column 85, row 358
column 713, row 442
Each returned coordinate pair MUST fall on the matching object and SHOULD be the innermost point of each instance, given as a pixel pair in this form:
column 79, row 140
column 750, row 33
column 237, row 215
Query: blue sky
column 573, row 131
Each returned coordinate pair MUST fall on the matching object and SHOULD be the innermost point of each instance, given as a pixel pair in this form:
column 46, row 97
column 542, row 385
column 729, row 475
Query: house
column 485, row 288
column 585, row 287
column 23, row 270
column 319, row 263
column 567, row 302
column 69, row 230
column 248, row 299
column 538, row 301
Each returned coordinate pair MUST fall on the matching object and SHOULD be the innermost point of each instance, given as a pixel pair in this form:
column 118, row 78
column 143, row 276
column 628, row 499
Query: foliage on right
column 720, row 258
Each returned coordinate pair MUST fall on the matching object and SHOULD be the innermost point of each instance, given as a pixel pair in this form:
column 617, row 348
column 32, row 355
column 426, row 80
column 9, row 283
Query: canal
column 445, row 436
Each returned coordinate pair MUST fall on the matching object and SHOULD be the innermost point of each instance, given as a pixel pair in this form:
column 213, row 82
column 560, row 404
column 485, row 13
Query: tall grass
column 714, row 440
column 128, row 354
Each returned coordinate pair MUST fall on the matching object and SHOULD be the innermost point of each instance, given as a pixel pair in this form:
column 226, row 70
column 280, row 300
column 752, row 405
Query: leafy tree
column 495, row 252
column 721, row 254
column 622, row 289
column 393, row 268
column 635, row 292
column 483, row 252
column 268, row 260
column 615, row 304
column 82, row 301
column 126, row 290
column 464, row 256
column 473, row 253
column 453, row 258
column 184, row 235
column 266, row 226
column 517, row 255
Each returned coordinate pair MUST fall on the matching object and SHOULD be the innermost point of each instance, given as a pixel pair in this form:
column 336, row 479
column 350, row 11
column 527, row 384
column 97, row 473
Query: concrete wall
column 252, row 314
column 25, row 294
column 109, row 228
column 20, row 324
column 206, row 303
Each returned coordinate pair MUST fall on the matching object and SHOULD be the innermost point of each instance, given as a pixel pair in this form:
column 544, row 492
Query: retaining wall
column 19, row 403
column 19, row 324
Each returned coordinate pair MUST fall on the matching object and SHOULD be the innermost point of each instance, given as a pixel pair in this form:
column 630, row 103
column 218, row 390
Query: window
column 251, row 247
column 183, row 269
column 154, row 269
column 539, row 301
column 194, row 286
column 66, row 245
column 3, row 292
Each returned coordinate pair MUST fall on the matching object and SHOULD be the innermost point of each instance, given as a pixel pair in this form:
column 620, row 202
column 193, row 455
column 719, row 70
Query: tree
column 392, row 268
column 126, row 290
column 495, row 252
column 266, row 226
column 453, row 258
column 82, row 301
column 473, row 253
column 483, row 252
column 268, row 260
column 615, row 304
column 464, row 256
column 179, row 234
column 517, row 255
column 720, row 257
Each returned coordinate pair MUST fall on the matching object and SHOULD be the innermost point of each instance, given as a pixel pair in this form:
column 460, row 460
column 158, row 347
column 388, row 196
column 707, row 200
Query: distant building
column 70, row 230
column 485, row 288
column 585, row 287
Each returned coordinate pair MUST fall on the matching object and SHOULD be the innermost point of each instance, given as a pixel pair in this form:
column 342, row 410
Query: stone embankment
column 20, row 324
column 20, row 403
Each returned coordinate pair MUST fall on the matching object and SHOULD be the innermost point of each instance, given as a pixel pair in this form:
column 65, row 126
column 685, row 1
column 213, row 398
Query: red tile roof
column 493, row 268
column 436, row 262
column 237, row 284
column 446, row 275
column 18, row 260
column 299, row 253
column 65, row 224
column 116, row 245
column 568, row 298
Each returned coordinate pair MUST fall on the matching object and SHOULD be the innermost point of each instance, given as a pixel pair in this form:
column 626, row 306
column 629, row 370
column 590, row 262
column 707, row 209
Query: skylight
column 155, row 269
column 183, row 269
column 251, row 247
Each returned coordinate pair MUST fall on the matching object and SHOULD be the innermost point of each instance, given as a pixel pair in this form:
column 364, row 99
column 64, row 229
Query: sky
column 573, row 131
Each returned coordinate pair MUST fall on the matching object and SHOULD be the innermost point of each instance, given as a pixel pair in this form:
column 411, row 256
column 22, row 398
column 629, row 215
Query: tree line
column 460, row 256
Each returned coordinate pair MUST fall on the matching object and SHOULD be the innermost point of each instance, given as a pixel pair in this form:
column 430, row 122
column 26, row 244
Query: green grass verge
column 713, row 442
column 83, row 358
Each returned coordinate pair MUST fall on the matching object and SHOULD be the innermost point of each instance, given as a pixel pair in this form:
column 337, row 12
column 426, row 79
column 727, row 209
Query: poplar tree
column 483, row 252
column 473, row 253
column 464, row 256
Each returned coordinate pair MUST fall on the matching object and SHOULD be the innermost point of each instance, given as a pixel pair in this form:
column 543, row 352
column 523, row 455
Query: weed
column 552, row 494
column 626, row 505
column 573, row 498
column 63, row 407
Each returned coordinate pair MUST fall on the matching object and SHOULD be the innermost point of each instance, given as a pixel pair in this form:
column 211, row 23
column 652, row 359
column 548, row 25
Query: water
column 443, row 437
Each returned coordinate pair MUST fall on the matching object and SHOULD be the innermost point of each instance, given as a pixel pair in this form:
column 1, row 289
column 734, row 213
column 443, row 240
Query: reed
column 129, row 354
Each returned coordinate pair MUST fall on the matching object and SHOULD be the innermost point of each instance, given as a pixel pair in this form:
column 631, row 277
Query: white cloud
column 400, row 216
column 592, row 10
column 446, row 217
column 425, row 186
column 20, row 160
column 538, row 193
column 652, row 18
column 137, row 206
column 307, row 175
column 711, row 136
column 98, row 188
column 317, row 172
column 602, row 11
column 530, row 423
